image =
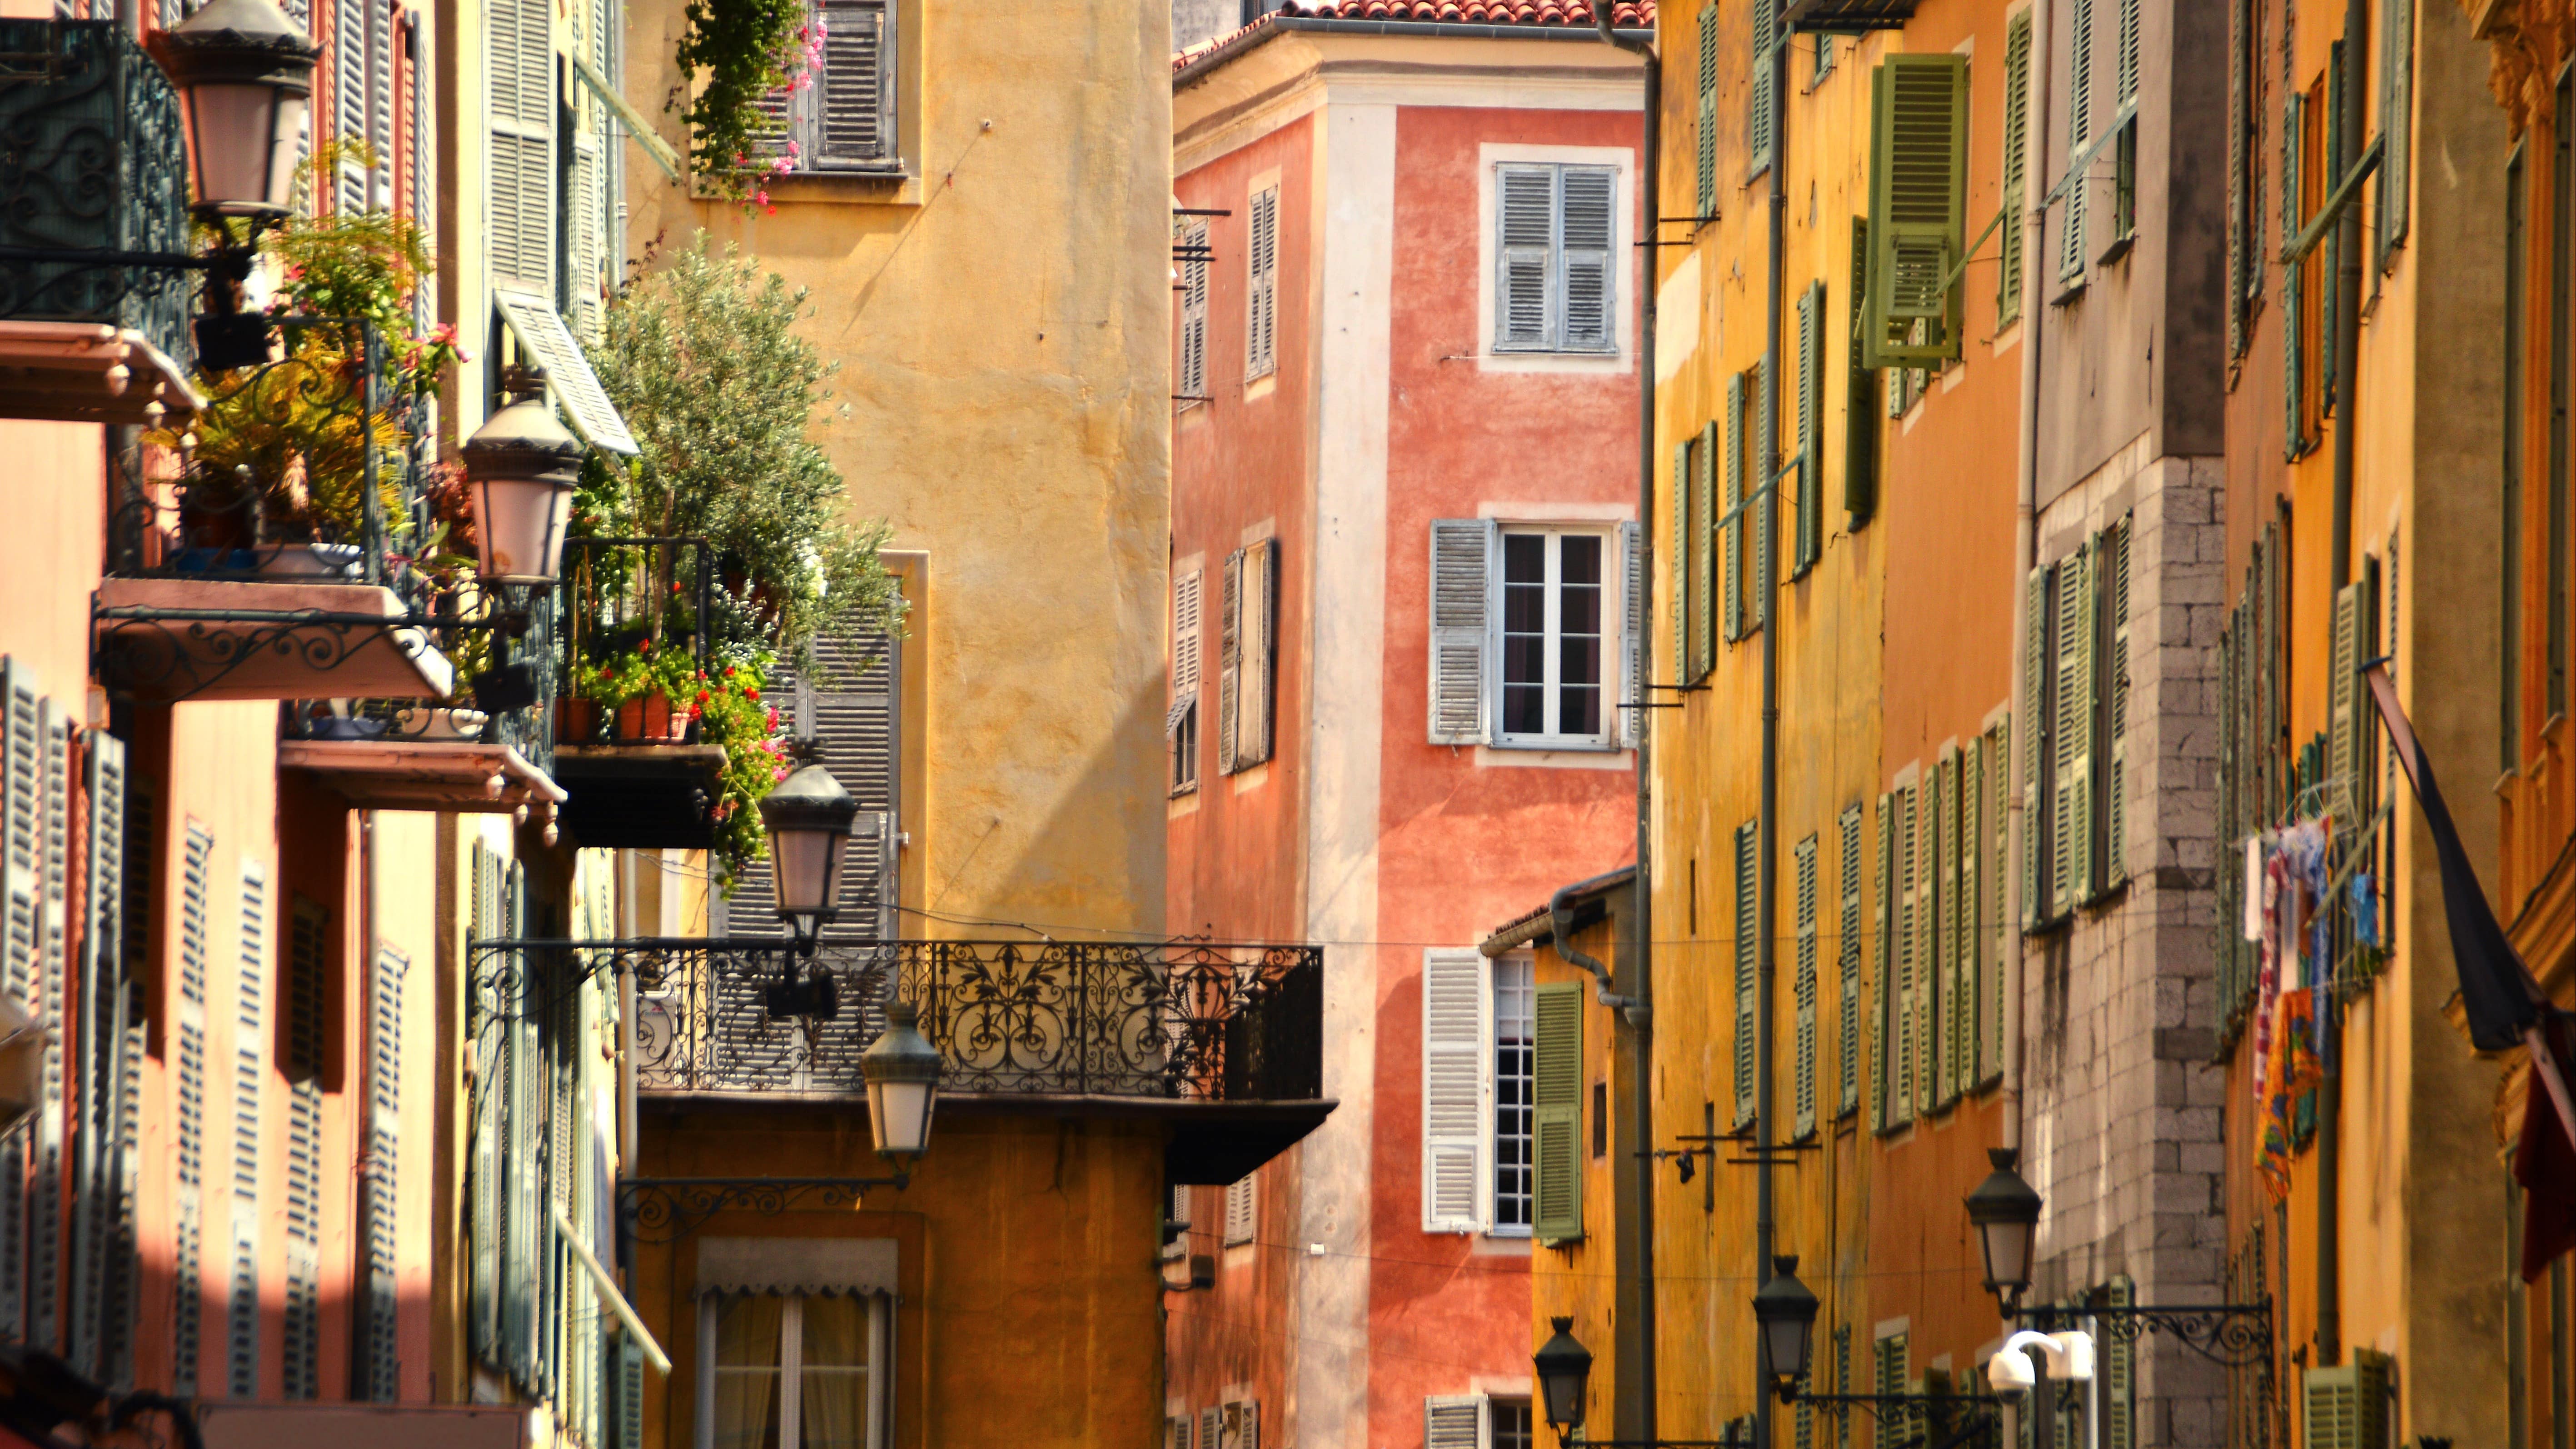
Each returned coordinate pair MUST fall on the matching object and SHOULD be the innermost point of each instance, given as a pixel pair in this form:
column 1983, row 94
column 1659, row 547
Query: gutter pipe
column 2025, row 733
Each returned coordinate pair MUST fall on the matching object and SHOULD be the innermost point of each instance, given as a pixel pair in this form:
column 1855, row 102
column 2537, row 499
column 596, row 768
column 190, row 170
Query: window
column 1176, row 1223
column 1917, row 210
column 844, row 120
column 1747, row 858
column 1240, row 1216
column 1556, row 282
column 1189, row 371
column 1249, row 660
column 1475, row 1421
column 1757, row 121
column 1261, row 325
column 782, row 1371
column 2016, row 168
column 1181, row 722
column 1540, row 600
column 1479, row 1027
column 1507, row 1424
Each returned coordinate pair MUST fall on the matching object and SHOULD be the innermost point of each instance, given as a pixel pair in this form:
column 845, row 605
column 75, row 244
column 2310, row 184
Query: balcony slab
column 639, row 797
column 441, row 775
column 83, row 372
column 166, row 639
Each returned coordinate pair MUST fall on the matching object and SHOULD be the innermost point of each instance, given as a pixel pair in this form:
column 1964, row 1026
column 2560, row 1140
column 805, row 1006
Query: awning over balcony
column 449, row 775
column 640, row 797
column 82, row 372
column 163, row 639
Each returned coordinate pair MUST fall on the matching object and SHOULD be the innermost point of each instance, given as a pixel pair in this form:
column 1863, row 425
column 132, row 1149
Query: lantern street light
column 1564, row 1368
column 521, row 468
column 808, row 818
column 902, row 1071
column 244, row 73
column 1784, row 1314
column 2005, row 1212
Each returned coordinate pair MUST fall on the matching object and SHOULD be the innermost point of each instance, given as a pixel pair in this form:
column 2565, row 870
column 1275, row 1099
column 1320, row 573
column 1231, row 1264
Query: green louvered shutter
column 1705, row 540
column 2240, row 179
column 2114, row 689
column 1764, row 467
column 1747, row 863
column 2329, row 291
column 1557, row 1119
column 1901, row 987
column 1967, row 963
column 2016, row 138
column 1733, row 547
column 2035, row 830
column 1928, row 943
column 1806, row 987
column 1881, row 1085
column 1847, row 959
column 1811, row 463
column 1757, row 126
column 1918, row 173
column 2071, row 808
column 1707, row 126
column 2342, row 727
column 1683, row 581
column 1992, row 923
column 2119, row 1370
column 1860, row 394
column 2293, row 280
column 2079, row 134
column 2396, row 120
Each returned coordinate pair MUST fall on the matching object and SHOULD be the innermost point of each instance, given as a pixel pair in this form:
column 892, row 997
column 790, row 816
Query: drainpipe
column 1640, row 1020
column 1766, row 871
column 2025, row 734
column 2347, row 346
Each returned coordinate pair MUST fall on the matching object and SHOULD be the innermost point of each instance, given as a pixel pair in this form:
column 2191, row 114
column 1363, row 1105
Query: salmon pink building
column 1404, row 542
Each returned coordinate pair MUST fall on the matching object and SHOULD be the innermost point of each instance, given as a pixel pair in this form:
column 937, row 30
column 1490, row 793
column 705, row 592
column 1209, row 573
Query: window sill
column 2118, row 248
column 1553, row 757
column 845, row 188
column 2070, row 291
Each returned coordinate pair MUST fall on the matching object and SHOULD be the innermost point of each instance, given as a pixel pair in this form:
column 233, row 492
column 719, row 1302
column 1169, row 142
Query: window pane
column 746, row 1372
column 1510, row 1423
column 1578, row 673
column 1514, row 1042
column 1524, row 633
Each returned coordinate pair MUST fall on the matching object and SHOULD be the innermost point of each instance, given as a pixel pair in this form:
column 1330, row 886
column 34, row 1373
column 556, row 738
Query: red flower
column 702, row 698
column 644, row 646
column 751, row 694
column 729, row 671
column 675, row 586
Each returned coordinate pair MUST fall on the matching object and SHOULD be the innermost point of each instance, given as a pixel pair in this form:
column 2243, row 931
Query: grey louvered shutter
column 1805, row 987
column 1526, row 228
column 2079, row 133
column 1261, row 286
column 1229, row 677
column 1186, row 634
column 2396, row 121
column 306, row 963
column 347, row 76
column 1192, row 368
column 196, row 908
column 1211, row 1425
column 1702, row 545
column 2071, row 805
column 856, row 96
column 380, row 103
column 1757, row 126
column 249, row 1109
column 96, row 1195
column 1557, row 1112
column 630, row 1395
column 47, row 1143
column 1974, row 907
column 1456, row 1080
column 1993, row 923
column 22, row 736
column 1847, row 962
column 1909, row 965
column 1632, row 627
column 1924, row 1008
column 1586, row 260
column 1689, row 566
column 849, row 705
column 1463, row 553
column 1732, row 533
column 1940, row 1058
column 585, row 239
column 1918, row 208
column 523, row 1179
column 491, row 1118
column 382, row 1184
column 1707, row 121
column 1256, row 713
column 1747, row 866
column 1453, row 1421
column 520, row 82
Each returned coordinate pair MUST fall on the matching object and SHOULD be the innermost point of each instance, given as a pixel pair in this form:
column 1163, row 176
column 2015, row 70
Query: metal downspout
column 1766, row 869
column 1641, row 987
column 2347, row 345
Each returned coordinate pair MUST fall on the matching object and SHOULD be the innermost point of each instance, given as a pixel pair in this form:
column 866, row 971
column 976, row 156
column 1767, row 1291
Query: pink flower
column 778, row 777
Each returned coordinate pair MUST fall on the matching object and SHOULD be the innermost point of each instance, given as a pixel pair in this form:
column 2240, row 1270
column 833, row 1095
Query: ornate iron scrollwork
column 667, row 1209
column 2232, row 1335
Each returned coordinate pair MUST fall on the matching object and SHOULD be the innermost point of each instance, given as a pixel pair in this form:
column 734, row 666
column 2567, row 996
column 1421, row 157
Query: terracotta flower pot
column 576, row 721
column 648, row 720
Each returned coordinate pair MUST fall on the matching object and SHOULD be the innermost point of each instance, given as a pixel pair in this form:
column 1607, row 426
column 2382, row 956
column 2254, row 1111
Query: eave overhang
column 86, row 372
column 165, row 639
column 437, row 775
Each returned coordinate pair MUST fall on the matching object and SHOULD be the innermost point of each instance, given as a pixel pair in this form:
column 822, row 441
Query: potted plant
column 642, row 691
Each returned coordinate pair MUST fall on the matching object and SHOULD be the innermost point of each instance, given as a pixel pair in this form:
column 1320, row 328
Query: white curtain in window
column 747, row 1371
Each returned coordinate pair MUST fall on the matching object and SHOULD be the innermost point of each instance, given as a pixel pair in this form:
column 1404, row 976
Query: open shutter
column 2241, row 61
column 1463, row 551
column 1192, row 368
column 1186, row 590
column 1762, row 467
column 2035, row 827
column 1918, row 174
column 856, row 94
column 196, row 904
column 1256, row 717
column 1591, row 276
column 1811, row 489
column 2114, row 690
column 491, row 1124
column 1454, row 1421
column 1805, row 988
column 1860, row 393
column 1703, row 545
column 1747, row 864
column 1992, row 923
column 96, row 1192
column 2016, row 139
column 1847, row 959
column 1632, row 626
column 1928, row 943
column 2073, row 813
column 1881, row 1004
column 44, row 1186
column 1706, row 192
column 1688, row 566
column 1969, row 974
column 22, row 771
column 1241, row 1215
column 2294, row 277
column 2396, row 120
column 1944, row 1020
column 1527, row 227
column 1557, row 1096
column 520, row 78
column 1456, row 1082
column 1732, row 533
column 1757, row 124
column 249, row 1106
column 1261, row 325
column 383, row 1179
column 1211, row 1427
column 347, row 75
column 1229, row 686
column 306, row 962
column 2119, row 1372
column 2079, row 134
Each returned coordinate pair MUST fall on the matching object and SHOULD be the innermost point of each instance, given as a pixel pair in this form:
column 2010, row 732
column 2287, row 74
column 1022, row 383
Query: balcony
column 1224, row 1042
column 638, row 778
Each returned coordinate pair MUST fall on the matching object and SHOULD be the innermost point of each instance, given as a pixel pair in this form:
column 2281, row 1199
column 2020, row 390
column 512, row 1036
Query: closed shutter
column 850, row 707
column 1909, row 963
column 2071, row 809
column 1757, row 123
column 2294, row 278
column 2396, row 121
column 380, row 103
column 1557, row 1094
column 383, row 1181
column 1811, row 488
column 1527, row 231
column 857, row 90
column 1930, row 947
column 1918, row 174
column 1954, row 911
column 1689, row 565
column 630, row 1397
column 124, row 1310
column 2120, row 1374
column 1732, row 532
column 1805, row 987
column 1194, row 316
column 1632, row 626
column 2034, row 751
column 249, row 1106
column 1762, row 464
column 2114, row 690
column 2347, row 1405
column 2241, row 61
column 306, row 961
column 1706, row 191
column 2016, row 168
column 348, row 112
column 520, row 78
column 1229, row 679
column 95, row 1197
column 1186, row 592
column 1747, row 951
column 1211, row 1426
column 585, row 239
column 1463, row 551
column 1241, row 1218
column 2079, row 133
column 1699, row 625
column 1860, row 394
column 1977, row 905
column 1457, row 1074
column 22, row 785
column 1847, row 960
column 491, row 1118
column 1453, row 1421
column 1261, row 329
column 1256, row 713
column 1882, row 1084
column 53, row 894
column 1584, row 257
column 196, row 914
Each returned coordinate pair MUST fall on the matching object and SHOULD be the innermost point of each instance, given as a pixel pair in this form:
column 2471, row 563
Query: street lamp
column 2005, row 1212
column 1564, row 1367
column 1784, row 1313
column 244, row 73
column 521, row 468
column 808, row 818
column 902, row 1070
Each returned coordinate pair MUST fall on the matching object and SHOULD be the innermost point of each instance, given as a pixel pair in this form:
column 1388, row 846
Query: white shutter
column 855, row 124
column 1186, row 632
column 380, row 102
column 1211, row 1426
column 196, row 888
column 1589, row 266
column 1257, row 651
column 1229, row 686
column 102, row 1030
column 1457, row 1091
column 1632, row 632
column 521, row 81
column 1525, row 235
column 22, row 751
column 1239, row 1216
column 589, row 224
column 1454, row 1421
column 1261, row 329
column 1463, row 551
column 250, row 1031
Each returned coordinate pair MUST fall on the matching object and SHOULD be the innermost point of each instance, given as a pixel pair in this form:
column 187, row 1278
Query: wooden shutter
column 1994, row 869
column 2293, row 279
column 22, row 755
column 196, row 905
column 1211, row 1426
column 2241, row 62
column 1762, row 465
column 2396, row 121
column 2119, row 1371
column 1953, row 961
column 1974, row 907
column 1463, row 552
column 2347, row 1405
column 1261, row 330
column 1882, row 1088
column 249, row 1106
column 1557, row 1098
column 1705, row 537
column 1453, row 1421
column 1229, row 687
column 1930, row 948
column 1918, row 174
column 1526, row 228
column 520, row 80
column 2113, row 742
column 856, row 95
column 849, row 704
column 1732, row 533
column 2344, row 721
column 96, row 1190
column 347, row 77
column 1707, row 120
column 306, row 962
column 1860, row 393
column 1632, row 624
column 1757, row 124
column 586, row 240
column 1256, row 711
column 1457, row 1077
column 1909, row 963
column 1241, row 1217
column 1585, row 259
column 2071, row 788
column 1747, row 888
column 1688, row 564
column 1186, row 590
column 1847, row 960
column 47, row 1129
column 2016, row 168
column 1804, row 854
column 1811, row 489
column 2035, row 674
column 1194, row 315
column 382, row 1181
column 2079, row 134
column 491, row 1120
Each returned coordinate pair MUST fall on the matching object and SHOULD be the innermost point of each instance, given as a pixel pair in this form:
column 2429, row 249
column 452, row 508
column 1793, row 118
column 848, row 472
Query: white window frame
column 1483, row 1058
column 791, row 1347
column 1613, row 643
column 1619, row 357
column 1497, row 1403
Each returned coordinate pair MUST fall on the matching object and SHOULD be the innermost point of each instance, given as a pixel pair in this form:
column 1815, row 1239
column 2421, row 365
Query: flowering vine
column 741, row 53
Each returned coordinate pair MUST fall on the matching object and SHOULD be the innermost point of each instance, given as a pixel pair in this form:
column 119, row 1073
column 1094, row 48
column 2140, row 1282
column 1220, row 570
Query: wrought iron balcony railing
column 502, row 639
column 1187, row 1021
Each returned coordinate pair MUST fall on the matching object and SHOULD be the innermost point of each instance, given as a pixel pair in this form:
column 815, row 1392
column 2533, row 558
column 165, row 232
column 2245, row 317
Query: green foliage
column 725, row 700
column 703, row 360
column 739, row 52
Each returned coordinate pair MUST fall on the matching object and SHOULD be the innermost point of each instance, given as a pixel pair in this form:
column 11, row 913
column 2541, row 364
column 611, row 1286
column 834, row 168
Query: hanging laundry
column 2253, row 923
column 2365, row 910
